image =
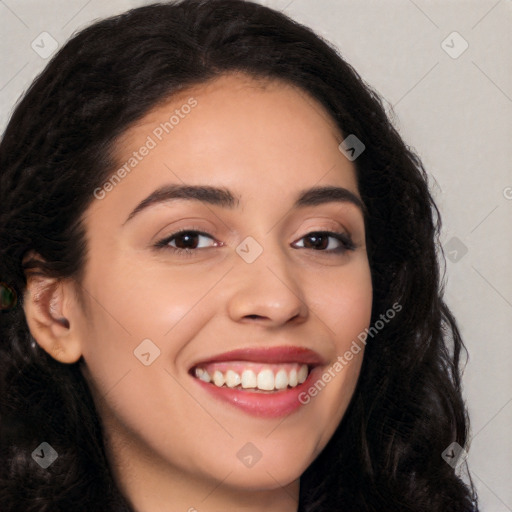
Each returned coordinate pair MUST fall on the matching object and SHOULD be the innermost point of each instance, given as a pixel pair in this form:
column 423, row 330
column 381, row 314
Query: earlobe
column 49, row 306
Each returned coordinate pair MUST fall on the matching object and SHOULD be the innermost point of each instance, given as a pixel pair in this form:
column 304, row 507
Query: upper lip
column 270, row 355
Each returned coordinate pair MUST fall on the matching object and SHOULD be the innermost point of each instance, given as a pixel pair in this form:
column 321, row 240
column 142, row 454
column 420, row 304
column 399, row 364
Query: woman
column 228, row 297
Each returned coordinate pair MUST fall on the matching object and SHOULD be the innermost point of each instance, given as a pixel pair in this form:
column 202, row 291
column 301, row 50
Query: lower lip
column 266, row 405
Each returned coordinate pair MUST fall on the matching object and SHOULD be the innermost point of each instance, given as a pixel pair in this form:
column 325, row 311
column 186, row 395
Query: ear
column 50, row 307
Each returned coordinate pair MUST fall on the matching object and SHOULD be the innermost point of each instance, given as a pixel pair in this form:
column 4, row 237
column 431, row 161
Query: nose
column 266, row 291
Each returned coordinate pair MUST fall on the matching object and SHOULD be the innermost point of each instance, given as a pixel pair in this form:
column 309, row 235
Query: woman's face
column 257, row 297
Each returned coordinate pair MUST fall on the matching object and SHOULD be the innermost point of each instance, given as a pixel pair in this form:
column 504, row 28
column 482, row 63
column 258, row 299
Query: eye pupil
column 189, row 239
column 318, row 241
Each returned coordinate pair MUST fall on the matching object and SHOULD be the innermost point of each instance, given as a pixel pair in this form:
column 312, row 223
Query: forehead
column 265, row 140
column 235, row 104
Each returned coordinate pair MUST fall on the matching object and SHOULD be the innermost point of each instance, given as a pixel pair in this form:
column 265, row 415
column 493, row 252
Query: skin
column 169, row 441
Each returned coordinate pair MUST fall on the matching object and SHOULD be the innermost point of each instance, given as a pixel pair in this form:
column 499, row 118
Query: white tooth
column 206, row 377
column 249, row 379
column 232, row 379
column 203, row 375
column 302, row 374
column 218, row 378
column 281, row 380
column 266, row 380
column 292, row 378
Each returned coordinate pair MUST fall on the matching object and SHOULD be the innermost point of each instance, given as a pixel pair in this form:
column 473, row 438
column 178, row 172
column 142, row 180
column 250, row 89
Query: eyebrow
column 225, row 198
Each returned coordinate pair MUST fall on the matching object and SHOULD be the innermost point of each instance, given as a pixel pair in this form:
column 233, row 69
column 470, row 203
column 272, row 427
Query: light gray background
column 455, row 112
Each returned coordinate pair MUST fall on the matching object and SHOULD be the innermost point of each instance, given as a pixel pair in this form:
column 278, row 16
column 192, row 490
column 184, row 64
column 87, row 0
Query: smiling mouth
column 264, row 382
column 252, row 377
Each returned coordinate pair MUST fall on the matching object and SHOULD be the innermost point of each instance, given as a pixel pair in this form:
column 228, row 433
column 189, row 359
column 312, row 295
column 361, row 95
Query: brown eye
column 316, row 241
column 186, row 240
column 321, row 240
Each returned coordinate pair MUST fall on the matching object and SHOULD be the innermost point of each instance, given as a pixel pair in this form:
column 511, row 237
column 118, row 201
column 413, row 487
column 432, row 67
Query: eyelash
column 346, row 242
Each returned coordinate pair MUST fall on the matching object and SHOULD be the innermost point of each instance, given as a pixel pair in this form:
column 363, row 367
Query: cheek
column 342, row 300
column 138, row 324
column 343, row 304
column 130, row 303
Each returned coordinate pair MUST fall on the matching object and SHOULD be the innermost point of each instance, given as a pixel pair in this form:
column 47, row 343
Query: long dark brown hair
column 60, row 145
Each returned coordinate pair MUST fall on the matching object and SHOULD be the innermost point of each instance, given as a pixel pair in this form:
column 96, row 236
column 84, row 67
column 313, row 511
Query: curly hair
column 59, row 145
